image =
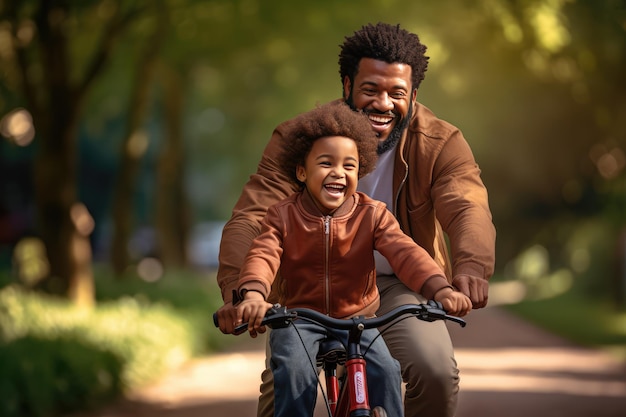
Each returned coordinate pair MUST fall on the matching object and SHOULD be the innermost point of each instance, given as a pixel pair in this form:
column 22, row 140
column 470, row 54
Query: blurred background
column 128, row 129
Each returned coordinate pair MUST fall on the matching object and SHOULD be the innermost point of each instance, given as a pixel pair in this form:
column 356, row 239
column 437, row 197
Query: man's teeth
column 380, row 119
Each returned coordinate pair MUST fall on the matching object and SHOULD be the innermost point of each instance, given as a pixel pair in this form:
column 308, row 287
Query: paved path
column 509, row 368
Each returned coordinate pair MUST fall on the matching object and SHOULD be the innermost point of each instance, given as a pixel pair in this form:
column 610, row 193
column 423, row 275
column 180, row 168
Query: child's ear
column 300, row 173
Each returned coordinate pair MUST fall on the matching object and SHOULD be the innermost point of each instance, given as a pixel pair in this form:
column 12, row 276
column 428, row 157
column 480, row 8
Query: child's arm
column 454, row 302
column 252, row 310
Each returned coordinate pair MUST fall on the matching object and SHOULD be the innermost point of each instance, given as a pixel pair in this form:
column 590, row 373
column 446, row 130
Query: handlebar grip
column 242, row 328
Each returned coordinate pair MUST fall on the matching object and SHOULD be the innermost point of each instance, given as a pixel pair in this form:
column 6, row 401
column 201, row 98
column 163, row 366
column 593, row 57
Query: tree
column 53, row 86
column 135, row 139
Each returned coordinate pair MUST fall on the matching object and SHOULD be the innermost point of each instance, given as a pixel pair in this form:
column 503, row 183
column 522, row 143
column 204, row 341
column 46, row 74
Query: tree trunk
column 134, row 145
column 172, row 205
column 63, row 222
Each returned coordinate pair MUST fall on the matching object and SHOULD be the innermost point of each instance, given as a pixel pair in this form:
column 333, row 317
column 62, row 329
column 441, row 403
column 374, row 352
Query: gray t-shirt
column 378, row 184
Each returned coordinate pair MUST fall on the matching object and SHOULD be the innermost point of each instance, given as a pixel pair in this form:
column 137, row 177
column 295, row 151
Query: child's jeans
column 296, row 378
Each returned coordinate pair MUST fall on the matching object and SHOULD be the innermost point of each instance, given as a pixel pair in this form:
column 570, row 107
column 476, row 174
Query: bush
column 56, row 357
column 190, row 295
column 41, row 377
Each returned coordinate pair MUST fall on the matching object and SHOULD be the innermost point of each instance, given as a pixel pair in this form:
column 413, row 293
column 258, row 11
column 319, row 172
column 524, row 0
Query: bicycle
column 347, row 396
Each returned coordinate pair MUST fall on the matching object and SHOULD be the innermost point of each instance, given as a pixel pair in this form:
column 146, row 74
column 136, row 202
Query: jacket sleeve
column 262, row 261
column 461, row 203
column 267, row 186
column 410, row 262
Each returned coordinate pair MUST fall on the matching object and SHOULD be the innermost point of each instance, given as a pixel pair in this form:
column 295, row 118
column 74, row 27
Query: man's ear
column 300, row 173
column 414, row 95
column 347, row 87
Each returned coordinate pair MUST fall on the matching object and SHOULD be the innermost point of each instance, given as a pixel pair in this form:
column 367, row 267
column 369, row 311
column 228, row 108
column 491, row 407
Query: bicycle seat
column 331, row 351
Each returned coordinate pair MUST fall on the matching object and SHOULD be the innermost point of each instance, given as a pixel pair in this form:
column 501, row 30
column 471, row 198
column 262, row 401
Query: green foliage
column 191, row 295
column 56, row 358
column 41, row 377
column 588, row 321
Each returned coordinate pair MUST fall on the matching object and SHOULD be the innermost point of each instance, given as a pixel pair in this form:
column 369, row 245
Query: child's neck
column 325, row 211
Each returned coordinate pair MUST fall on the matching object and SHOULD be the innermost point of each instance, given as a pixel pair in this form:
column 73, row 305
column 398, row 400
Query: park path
column 509, row 368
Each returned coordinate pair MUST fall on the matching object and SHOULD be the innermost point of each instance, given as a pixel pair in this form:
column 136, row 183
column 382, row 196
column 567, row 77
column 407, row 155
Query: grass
column 587, row 322
column 195, row 296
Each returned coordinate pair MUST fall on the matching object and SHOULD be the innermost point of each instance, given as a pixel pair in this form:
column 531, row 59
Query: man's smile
column 380, row 121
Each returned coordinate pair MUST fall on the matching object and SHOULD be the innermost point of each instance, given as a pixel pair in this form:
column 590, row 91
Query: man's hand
column 477, row 289
column 227, row 318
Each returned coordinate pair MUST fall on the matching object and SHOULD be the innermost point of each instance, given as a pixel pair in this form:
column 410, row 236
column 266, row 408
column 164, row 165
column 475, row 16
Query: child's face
column 331, row 171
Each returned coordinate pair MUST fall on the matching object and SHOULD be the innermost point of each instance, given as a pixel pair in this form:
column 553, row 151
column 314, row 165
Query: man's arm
column 462, row 207
column 265, row 187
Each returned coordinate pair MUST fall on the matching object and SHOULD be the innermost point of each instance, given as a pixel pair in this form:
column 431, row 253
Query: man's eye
column 399, row 94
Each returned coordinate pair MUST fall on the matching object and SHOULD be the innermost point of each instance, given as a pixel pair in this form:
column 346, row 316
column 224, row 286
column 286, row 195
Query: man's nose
column 383, row 102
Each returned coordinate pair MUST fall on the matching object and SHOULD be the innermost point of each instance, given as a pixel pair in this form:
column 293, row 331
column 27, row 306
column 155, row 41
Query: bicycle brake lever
column 435, row 311
column 432, row 311
column 277, row 309
column 457, row 320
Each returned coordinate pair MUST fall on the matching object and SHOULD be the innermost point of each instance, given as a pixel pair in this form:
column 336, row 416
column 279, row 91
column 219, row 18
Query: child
column 323, row 239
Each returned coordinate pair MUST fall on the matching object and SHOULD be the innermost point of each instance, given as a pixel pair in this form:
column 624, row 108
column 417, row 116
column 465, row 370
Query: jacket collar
column 308, row 205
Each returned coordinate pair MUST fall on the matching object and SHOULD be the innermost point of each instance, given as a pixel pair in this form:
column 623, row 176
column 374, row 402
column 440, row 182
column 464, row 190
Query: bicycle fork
column 354, row 399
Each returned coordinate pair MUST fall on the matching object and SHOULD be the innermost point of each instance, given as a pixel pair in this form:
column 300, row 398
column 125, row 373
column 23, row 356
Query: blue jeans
column 295, row 379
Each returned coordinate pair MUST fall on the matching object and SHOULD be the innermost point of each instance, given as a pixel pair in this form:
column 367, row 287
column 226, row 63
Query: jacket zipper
column 406, row 174
column 326, row 262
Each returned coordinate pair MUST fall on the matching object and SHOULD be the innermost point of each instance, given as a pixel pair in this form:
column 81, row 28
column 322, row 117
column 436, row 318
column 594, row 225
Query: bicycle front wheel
column 379, row 412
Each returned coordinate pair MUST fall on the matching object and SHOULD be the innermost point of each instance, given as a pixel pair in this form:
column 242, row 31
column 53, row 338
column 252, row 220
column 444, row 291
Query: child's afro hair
column 332, row 119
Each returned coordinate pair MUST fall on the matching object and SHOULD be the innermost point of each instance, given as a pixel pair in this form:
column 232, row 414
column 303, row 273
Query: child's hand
column 252, row 310
column 454, row 302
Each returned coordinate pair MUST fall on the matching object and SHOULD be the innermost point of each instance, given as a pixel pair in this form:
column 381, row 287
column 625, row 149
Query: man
column 428, row 177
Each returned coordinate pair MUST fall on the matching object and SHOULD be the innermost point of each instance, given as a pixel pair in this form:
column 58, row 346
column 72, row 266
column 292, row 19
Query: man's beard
column 396, row 132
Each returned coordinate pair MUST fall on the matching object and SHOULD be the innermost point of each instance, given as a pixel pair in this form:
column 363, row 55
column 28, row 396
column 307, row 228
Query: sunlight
column 530, row 277
column 30, row 260
column 580, row 260
column 150, row 269
column 137, row 144
column 618, row 323
column 510, row 27
column 83, row 222
column 18, row 127
column 532, row 264
column 548, row 23
column 541, row 370
column 610, row 162
column 555, row 284
column 509, row 292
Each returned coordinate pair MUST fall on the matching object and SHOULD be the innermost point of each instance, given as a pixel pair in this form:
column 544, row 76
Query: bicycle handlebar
column 279, row 316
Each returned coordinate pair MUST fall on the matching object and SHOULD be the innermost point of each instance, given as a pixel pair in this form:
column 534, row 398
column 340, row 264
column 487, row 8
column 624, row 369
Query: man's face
column 384, row 92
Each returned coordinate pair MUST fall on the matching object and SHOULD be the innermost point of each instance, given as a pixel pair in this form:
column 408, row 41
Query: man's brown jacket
column 437, row 188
